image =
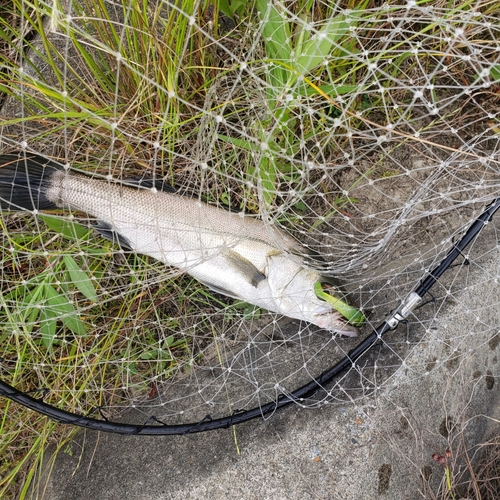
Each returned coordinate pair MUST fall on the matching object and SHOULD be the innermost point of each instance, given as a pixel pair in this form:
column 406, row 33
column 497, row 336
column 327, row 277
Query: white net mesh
column 371, row 134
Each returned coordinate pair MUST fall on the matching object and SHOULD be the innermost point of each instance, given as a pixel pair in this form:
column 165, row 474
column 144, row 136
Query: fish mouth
column 323, row 310
column 333, row 321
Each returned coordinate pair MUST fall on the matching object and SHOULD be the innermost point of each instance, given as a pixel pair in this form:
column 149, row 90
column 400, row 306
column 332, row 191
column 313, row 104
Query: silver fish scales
column 237, row 255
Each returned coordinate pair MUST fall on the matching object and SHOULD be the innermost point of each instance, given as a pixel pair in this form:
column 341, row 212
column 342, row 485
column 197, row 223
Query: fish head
column 292, row 287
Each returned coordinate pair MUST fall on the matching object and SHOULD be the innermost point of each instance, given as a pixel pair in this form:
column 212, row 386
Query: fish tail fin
column 24, row 178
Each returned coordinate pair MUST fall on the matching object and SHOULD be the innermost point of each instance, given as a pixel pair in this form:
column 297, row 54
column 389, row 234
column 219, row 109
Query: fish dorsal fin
column 148, row 183
column 244, row 267
column 162, row 185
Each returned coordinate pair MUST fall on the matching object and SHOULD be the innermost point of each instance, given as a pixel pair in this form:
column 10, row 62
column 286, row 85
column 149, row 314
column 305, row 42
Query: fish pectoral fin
column 244, row 267
column 219, row 289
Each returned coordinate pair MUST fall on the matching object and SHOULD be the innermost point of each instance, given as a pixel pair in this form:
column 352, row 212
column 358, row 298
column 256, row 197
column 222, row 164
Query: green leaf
column 151, row 354
column 495, row 72
column 231, row 7
column 241, row 143
column 276, row 31
column 64, row 310
column 250, row 311
column 300, row 205
column 30, row 312
column 80, row 278
column 276, row 35
column 69, row 229
column 48, row 323
column 315, row 51
column 267, row 172
column 169, row 341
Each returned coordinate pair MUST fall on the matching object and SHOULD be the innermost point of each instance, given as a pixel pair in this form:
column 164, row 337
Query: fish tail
column 24, row 179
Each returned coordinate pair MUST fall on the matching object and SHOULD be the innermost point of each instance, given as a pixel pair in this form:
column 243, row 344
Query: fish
column 235, row 254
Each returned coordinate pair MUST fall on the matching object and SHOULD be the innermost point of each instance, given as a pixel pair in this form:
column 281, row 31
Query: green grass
column 132, row 101
column 58, row 308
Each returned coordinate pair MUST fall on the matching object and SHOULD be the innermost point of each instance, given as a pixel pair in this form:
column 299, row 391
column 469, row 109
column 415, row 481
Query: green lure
column 353, row 315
